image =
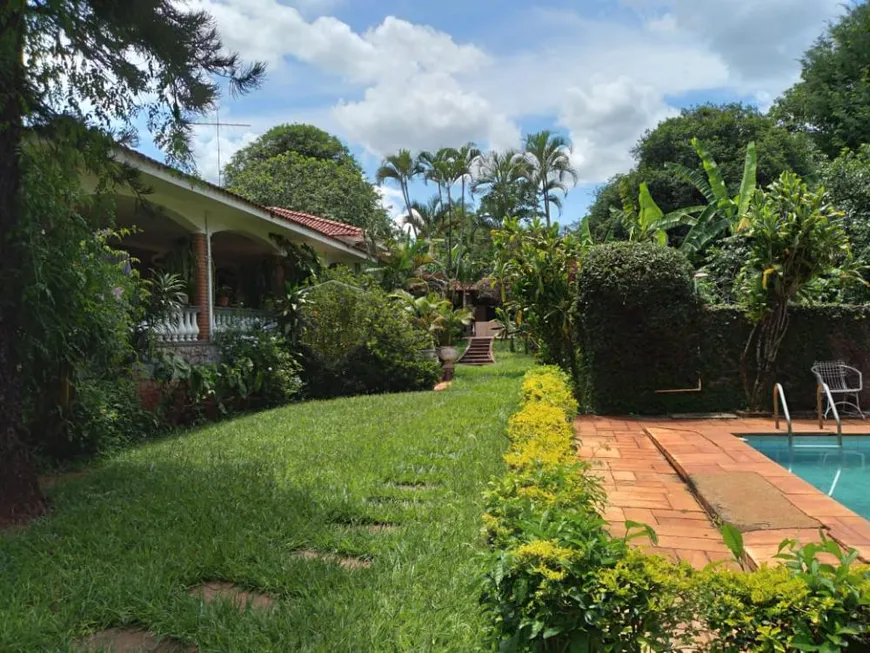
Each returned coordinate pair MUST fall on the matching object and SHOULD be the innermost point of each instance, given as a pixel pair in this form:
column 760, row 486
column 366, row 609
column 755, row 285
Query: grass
column 233, row 501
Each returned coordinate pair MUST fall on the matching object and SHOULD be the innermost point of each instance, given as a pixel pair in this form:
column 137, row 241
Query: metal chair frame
column 843, row 380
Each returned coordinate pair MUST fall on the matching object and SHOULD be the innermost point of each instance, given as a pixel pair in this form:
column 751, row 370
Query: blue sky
column 386, row 74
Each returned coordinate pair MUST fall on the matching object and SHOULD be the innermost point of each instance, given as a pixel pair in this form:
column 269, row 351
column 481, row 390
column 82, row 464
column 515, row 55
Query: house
column 224, row 247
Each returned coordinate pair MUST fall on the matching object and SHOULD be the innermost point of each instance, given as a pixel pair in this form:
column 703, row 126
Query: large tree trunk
column 20, row 496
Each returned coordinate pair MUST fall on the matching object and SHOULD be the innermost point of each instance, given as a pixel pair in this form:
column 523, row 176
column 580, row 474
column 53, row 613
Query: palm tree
column 442, row 168
column 468, row 155
column 424, row 219
column 549, row 156
column 402, row 168
column 503, row 177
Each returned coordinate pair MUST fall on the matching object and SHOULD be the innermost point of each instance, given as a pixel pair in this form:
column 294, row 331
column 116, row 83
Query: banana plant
column 644, row 220
column 722, row 212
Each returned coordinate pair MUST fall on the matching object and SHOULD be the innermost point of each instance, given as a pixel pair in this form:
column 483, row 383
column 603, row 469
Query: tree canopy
column 305, row 140
column 831, row 103
column 79, row 72
column 725, row 130
column 303, row 168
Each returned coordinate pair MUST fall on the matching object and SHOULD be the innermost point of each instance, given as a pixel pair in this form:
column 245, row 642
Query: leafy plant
column 722, row 212
column 539, row 267
column 356, row 339
column 795, row 237
column 426, row 312
column 453, row 322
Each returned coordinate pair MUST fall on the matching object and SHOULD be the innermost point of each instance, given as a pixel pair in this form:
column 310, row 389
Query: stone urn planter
column 428, row 354
column 448, row 354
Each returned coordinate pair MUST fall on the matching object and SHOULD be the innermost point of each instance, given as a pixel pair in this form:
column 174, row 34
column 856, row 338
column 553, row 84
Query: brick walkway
column 642, row 486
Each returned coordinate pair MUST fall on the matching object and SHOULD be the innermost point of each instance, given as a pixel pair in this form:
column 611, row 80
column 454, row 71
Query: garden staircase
column 479, row 352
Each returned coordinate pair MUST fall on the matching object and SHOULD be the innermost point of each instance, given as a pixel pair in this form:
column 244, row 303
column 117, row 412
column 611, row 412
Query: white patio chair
column 845, row 383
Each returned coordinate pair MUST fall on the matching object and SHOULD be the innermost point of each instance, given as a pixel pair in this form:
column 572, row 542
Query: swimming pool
column 842, row 474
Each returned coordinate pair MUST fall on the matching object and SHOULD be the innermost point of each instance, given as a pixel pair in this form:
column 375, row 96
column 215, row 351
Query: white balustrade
column 180, row 326
column 241, row 318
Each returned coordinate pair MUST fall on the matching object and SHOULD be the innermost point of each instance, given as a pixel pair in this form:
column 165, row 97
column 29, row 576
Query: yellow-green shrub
column 557, row 581
column 548, row 384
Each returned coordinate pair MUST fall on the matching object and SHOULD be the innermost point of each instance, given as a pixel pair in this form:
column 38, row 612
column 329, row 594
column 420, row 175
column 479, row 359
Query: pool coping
column 714, row 446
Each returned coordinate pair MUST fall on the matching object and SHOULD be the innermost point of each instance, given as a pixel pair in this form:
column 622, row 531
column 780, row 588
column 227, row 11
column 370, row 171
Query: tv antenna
column 217, row 124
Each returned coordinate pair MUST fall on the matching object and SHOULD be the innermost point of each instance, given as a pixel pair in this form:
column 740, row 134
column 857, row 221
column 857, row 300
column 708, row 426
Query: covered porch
column 225, row 249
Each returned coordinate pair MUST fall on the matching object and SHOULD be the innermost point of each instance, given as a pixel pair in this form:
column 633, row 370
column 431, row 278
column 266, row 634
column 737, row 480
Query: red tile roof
column 324, row 226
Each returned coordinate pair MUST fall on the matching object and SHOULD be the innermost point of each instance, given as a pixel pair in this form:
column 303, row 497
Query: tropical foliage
column 795, row 238
column 302, row 168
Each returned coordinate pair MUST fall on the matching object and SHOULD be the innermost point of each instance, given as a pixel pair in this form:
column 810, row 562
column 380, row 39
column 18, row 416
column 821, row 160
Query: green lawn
column 126, row 542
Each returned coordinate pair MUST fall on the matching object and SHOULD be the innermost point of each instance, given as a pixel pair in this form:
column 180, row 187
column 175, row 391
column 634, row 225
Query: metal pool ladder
column 823, row 387
column 779, row 397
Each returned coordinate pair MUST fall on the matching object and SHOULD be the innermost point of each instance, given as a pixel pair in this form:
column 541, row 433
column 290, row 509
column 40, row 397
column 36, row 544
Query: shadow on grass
column 124, row 544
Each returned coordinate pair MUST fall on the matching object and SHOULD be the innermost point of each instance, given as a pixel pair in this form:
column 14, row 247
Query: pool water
column 842, row 474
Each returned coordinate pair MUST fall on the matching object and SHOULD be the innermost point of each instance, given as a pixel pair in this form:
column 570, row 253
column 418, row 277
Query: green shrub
column 257, row 364
column 556, row 580
column 549, row 384
column 638, row 323
column 805, row 604
column 356, row 340
column 105, row 415
column 256, row 370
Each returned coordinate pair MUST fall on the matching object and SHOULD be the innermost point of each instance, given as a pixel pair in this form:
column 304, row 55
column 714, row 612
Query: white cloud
column 425, row 113
column 759, row 40
column 605, row 120
column 605, row 80
column 393, row 203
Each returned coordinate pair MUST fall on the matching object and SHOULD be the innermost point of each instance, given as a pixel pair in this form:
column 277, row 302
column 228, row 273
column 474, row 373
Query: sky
column 422, row 74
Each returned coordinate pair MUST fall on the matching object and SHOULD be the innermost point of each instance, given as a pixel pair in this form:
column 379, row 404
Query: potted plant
column 224, row 294
column 453, row 323
column 427, row 314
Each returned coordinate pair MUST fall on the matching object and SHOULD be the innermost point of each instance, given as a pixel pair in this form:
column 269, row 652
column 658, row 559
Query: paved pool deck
column 646, row 464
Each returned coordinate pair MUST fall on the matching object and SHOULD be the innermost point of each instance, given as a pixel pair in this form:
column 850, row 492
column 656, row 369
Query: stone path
column 642, row 486
column 646, row 486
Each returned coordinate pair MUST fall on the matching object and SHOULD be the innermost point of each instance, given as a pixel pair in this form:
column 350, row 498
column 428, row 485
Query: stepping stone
column 116, row 640
column 347, row 562
column 372, row 526
column 406, row 501
column 414, row 485
column 220, row 590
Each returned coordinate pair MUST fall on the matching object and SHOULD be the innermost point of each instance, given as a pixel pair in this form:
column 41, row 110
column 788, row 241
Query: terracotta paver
column 642, row 486
column 699, row 447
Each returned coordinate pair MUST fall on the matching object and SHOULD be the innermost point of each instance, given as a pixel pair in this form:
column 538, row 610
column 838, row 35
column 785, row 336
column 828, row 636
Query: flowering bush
column 556, row 580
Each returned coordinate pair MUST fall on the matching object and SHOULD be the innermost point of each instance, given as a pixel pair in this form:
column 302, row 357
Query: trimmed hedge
column 557, row 581
column 648, row 331
column 637, row 311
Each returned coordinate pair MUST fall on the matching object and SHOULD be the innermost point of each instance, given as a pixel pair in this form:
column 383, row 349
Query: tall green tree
column 549, row 158
column 306, row 140
column 725, row 131
column 466, row 161
column 401, row 167
column 320, row 177
column 425, row 220
column 831, row 102
column 443, row 168
column 795, row 237
column 82, row 63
